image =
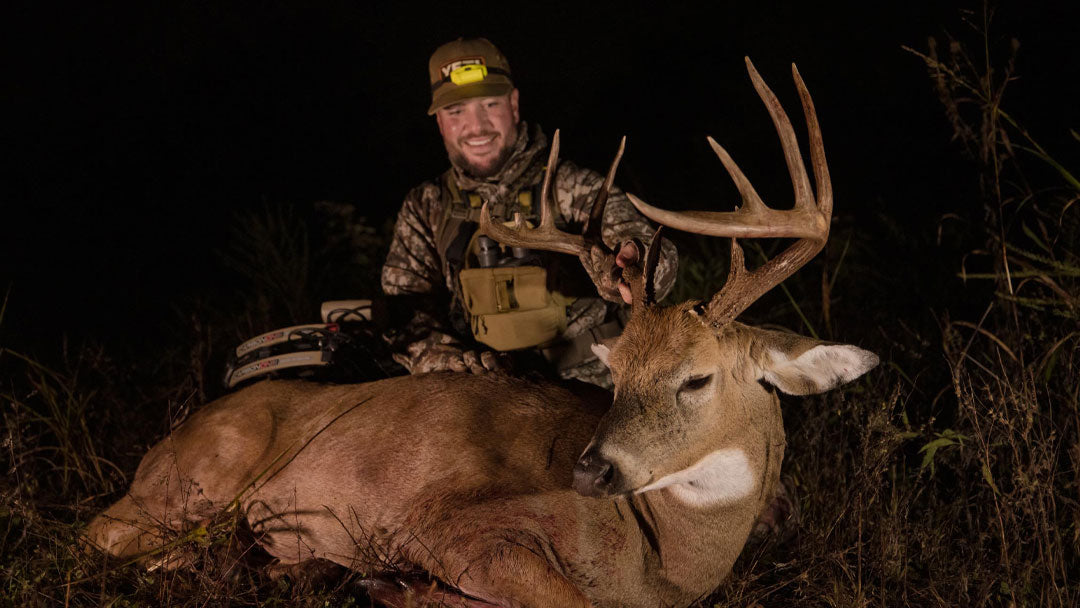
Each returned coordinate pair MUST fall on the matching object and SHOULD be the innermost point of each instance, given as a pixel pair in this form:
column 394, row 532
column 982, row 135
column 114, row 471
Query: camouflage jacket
column 416, row 266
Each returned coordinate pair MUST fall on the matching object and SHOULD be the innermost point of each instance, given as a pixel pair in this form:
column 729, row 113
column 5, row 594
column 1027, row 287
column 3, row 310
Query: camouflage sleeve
column 576, row 190
column 413, row 267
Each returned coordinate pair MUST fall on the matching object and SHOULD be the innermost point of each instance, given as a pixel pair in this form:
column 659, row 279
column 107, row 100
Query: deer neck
column 699, row 521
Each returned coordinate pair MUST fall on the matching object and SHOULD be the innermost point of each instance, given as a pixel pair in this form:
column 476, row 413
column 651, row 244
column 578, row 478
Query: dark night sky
column 133, row 133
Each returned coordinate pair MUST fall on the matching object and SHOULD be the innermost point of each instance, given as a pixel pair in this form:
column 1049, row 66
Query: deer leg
column 121, row 531
column 402, row 593
column 779, row 518
column 158, row 508
column 507, row 574
column 133, row 529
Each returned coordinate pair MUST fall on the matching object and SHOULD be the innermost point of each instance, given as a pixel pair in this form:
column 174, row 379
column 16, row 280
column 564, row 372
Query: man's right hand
column 444, row 357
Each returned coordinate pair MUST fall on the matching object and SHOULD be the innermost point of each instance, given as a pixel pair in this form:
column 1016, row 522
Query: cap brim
column 450, row 93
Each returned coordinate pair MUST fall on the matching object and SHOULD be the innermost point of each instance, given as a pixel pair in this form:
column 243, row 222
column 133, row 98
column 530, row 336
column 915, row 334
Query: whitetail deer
column 472, row 478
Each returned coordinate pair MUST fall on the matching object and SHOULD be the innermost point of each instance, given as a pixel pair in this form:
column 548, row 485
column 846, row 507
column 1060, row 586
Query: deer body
column 398, row 483
column 523, row 494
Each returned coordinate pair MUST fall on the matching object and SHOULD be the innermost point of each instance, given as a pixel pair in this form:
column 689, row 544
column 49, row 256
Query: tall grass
column 958, row 485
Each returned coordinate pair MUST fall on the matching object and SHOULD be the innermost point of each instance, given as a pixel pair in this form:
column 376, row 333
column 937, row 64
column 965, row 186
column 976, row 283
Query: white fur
column 719, row 478
column 825, row 366
column 601, row 352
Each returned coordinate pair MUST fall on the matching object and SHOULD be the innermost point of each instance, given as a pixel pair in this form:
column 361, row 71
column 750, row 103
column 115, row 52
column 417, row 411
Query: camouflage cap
column 467, row 68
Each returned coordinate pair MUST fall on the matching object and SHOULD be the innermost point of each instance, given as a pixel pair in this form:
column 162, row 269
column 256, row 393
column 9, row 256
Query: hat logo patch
column 453, row 65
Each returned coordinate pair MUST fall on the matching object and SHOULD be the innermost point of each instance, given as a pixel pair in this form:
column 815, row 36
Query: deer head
column 695, row 407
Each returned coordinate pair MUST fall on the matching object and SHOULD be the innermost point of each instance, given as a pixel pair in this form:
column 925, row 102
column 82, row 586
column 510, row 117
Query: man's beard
column 474, row 170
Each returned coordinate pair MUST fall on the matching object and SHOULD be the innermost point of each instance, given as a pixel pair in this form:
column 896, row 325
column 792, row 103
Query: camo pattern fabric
column 415, row 266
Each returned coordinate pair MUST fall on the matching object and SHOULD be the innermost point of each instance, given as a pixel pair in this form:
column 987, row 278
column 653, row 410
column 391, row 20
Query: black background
column 134, row 132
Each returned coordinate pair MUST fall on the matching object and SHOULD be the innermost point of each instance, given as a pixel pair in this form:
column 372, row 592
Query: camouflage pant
column 592, row 371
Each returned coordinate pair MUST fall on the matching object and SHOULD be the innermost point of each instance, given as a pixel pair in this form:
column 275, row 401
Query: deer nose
column 593, row 475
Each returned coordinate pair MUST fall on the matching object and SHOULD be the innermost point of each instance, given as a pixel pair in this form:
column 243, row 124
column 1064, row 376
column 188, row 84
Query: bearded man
column 488, row 308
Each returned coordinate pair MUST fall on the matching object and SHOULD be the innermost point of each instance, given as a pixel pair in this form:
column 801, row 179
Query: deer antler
column 546, row 236
column 807, row 221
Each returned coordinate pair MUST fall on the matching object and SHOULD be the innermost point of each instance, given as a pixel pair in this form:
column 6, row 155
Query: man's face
column 480, row 133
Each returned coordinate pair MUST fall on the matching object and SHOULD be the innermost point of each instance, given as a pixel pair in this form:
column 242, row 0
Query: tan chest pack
column 509, row 307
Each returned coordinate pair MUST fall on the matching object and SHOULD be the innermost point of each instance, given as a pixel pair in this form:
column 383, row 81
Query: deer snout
column 593, row 475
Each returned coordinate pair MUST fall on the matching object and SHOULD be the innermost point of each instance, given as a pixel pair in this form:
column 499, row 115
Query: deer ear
column 797, row 365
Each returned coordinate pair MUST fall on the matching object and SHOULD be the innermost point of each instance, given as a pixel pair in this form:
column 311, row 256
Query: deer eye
column 695, row 384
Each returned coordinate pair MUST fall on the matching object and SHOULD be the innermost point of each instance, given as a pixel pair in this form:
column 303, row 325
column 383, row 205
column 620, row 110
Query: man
column 505, row 308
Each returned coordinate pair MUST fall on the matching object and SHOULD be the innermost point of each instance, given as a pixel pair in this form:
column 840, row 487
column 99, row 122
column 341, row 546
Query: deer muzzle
column 594, row 475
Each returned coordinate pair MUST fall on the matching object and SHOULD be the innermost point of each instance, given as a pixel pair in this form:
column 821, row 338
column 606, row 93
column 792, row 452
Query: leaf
column 951, row 434
column 933, row 446
column 989, row 478
column 930, row 449
column 1051, row 363
column 199, row 535
column 1031, row 235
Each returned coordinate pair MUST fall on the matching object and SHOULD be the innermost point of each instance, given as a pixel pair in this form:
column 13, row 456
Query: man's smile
column 479, row 144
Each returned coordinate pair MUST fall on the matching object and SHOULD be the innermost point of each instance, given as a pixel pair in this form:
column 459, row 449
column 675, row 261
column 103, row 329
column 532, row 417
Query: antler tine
column 546, row 236
column 803, row 195
column 593, row 230
column 817, row 148
column 547, row 211
column 751, row 201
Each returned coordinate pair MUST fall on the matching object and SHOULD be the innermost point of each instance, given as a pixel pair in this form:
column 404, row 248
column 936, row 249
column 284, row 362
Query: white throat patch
column 719, row 478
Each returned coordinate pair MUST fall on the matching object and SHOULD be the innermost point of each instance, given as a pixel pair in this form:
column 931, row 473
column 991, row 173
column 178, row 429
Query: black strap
column 456, row 252
column 451, row 218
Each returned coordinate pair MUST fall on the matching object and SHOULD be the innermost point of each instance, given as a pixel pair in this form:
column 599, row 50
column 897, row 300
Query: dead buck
column 518, row 493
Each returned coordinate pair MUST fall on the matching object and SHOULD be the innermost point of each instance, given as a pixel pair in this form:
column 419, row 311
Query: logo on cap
column 453, row 65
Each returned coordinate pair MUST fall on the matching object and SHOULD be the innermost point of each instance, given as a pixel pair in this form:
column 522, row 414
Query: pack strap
column 455, row 214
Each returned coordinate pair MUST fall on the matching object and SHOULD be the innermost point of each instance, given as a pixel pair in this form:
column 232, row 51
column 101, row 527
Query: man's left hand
column 605, row 269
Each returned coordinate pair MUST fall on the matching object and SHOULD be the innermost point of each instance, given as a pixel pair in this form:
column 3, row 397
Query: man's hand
column 605, row 270
column 486, row 361
column 444, row 357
